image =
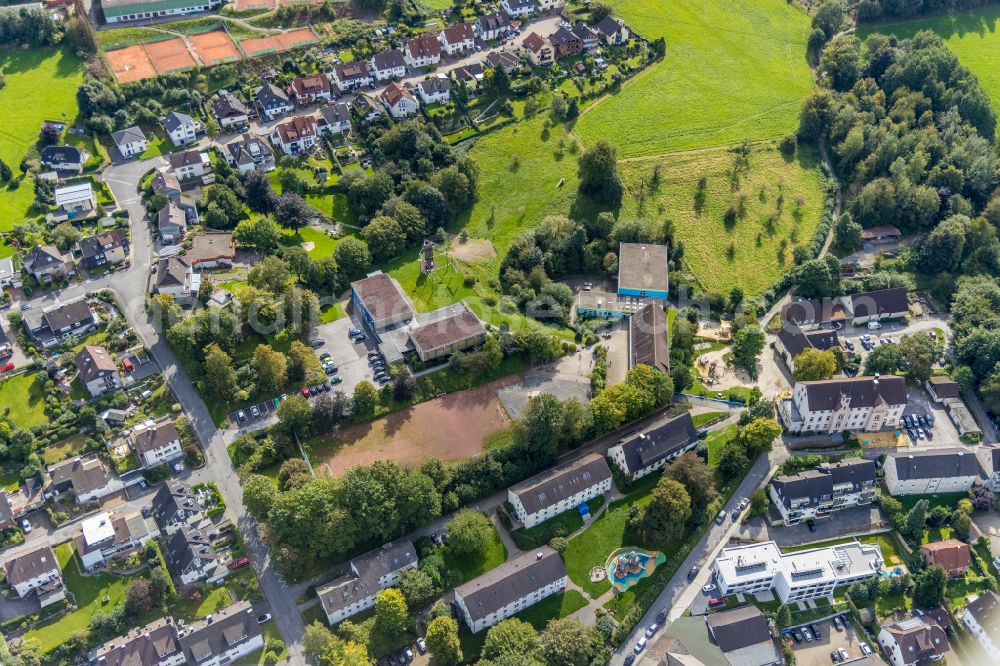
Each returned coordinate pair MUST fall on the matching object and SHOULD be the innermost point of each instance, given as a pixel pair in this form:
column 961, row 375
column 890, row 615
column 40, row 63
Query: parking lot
column 818, row 651
column 942, row 434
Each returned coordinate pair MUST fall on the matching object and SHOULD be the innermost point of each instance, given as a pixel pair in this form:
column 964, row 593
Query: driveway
column 848, row 521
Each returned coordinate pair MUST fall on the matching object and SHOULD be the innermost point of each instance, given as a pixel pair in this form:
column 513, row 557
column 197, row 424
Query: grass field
column 49, row 78
column 734, row 69
column 25, row 399
column 65, row 449
column 717, row 440
column 762, row 248
column 973, row 36
column 552, row 608
column 119, row 38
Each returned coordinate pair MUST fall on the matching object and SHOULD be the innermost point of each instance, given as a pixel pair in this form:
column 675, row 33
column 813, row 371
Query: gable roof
column 227, row 105
column 363, row 573
column 423, row 46
column 353, row 69
column 171, row 215
column 59, row 154
column 171, row 498
column 458, row 33
column 952, row 554
column 70, row 314
column 806, row 312
column 271, row 95
column 494, row 21
column 918, row 640
column 165, row 180
column 156, row 436
column 562, row 36
column 563, row 481
column 296, row 128
column 650, row 447
column 503, row 59
column 43, row 256
column 433, row 85
column 394, row 93
column 512, row 580
column 986, row 609
column 127, row 135
column 143, row 646
column 647, row 338
column 392, row 59
column 943, row 463
column 186, row 548
column 310, row 84
column 795, row 341
column 186, row 158
column 609, row 25
column 172, row 272
column 84, row 474
column 92, row 246
column 219, row 632
column 175, row 120
column 944, row 386
column 738, row 628
column 30, row 564
column 884, row 301
column 534, row 42
column 862, row 392
column 335, row 114
column 814, row 483
column 94, row 362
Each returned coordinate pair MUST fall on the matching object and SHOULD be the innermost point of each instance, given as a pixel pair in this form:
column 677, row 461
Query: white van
column 874, row 326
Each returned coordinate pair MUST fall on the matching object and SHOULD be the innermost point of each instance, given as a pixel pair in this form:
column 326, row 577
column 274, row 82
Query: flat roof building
column 380, row 301
column 642, row 270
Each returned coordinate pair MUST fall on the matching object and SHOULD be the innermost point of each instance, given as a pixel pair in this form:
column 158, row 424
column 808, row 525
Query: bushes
column 156, row 475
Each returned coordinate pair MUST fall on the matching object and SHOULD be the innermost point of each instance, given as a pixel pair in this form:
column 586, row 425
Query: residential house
column 797, row 576
column 649, row 451
column 458, row 38
column 951, row 554
column 791, row 341
column 223, row 637
column 182, row 128
column 249, row 153
column 492, row 26
column 108, row 248
column 311, row 89
column 365, row 108
column 165, row 182
column 75, row 200
column 211, row 249
column 942, row 388
column 566, row 43
column 510, row 588
column 989, row 460
column 108, row 535
column 912, row 642
column 175, row 505
column 518, row 8
column 613, row 31
column 155, row 644
column 9, row 276
column 190, row 164
column 538, row 49
column 942, row 470
column 86, row 477
column 131, row 142
column 881, row 234
column 504, row 59
column 388, row 65
column 229, row 110
column 296, row 136
column 879, row 305
column 589, row 38
column 156, row 442
column 366, row 576
column 445, row 331
column 334, row 119
column 191, row 558
column 171, row 223
column 831, row 406
column 174, row 276
column 810, row 315
column 647, row 338
column 271, row 102
column 50, row 327
column 744, row 637
column 821, row 492
column 550, row 5
column 351, row 75
column 98, row 370
column 399, row 101
column 422, row 51
column 470, row 75
column 981, row 618
column 35, row 572
column 434, row 90
column 65, row 159
column 115, row 417
column 562, row 488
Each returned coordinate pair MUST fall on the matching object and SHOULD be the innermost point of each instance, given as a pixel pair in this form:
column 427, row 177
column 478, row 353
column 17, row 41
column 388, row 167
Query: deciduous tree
column 511, row 640
column 697, row 478
column 392, row 618
column 442, row 640
column 598, row 172
column 664, row 516
column 813, row 364
column 270, row 367
column 567, row 642
column 469, row 532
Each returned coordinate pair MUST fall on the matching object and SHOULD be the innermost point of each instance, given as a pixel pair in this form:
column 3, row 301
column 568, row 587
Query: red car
column 717, row 601
column 304, row 391
column 7, row 367
column 242, row 562
column 128, row 365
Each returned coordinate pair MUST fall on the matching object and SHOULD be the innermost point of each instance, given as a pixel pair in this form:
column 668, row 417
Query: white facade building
column 982, row 619
column 223, row 637
column 130, row 141
column 367, row 575
column 651, row 450
column 34, row 572
column 818, row 493
column 181, row 128
column 933, row 471
column 458, row 38
column 510, row 588
column 422, row 51
column 560, row 489
column 156, row 442
column 806, row 574
column 913, row 641
column 858, row 404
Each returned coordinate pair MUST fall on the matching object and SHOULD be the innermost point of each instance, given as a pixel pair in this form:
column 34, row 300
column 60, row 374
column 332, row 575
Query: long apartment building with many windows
column 806, row 574
column 818, row 493
column 560, row 489
column 866, row 404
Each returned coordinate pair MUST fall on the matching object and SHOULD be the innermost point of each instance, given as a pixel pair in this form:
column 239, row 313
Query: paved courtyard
column 569, row 377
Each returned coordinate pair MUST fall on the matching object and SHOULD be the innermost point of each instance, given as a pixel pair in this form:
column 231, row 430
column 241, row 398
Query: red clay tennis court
column 170, row 55
column 248, row 5
column 281, row 42
column 215, row 47
column 130, row 64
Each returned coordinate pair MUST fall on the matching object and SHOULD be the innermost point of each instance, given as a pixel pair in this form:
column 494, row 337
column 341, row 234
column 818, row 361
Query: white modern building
column 912, row 642
column 933, row 471
column 35, row 572
column 858, row 404
column 820, row 492
column 510, row 588
column 223, row 637
column 560, row 489
column 107, row 535
column 181, row 128
column 649, row 451
column 806, row 574
column 982, row 619
column 367, row 575
column 130, row 141
column 156, row 442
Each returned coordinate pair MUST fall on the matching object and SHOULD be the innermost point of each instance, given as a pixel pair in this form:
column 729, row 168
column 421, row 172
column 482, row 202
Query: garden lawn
column 119, row 38
column 734, row 69
column 973, row 36
column 701, row 419
column 67, row 448
column 552, row 608
column 717, row 440
column 751, row 252
column 49, row 78
column 569, row 522
column 26, row 400
column 468, row 568
column 947, row 500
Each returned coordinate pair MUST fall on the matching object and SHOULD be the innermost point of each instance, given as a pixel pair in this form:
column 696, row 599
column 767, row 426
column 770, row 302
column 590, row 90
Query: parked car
column 261, row 619
column 811, row 524
column 709, row 588
column 865, row 649
column 408, row 653
column 127, row 364
column 651, row 629
column 849, row 345
column 661, row 617
column 353, row 332
column 317, row 343
column 745, row 502
column 304, row 391
column 874, row 326
column 721, row 518
column 241, row 416
column 421, row 646
column 335, row 380
column 843, row 654
column 641, row 645
column 629, row 660
column 254, row 412
column 797, row 637
column 837, row 623
column 835, row 657
column 930, row 420
column 693, row 573
column 806, row 634
column 25, row 526
column 816, row 631
column 717, row 601
column 242, row 562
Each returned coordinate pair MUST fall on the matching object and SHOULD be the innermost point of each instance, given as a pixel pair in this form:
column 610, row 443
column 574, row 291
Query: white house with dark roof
column 351, row 75
column 107, row 535
column 249, row 153
column 35, row 572
column 422, row 51
column 45, row 263
column 878, row 305
column 366, row 576
column 510, row 588
column 504, row 59
column 334, row 119
column 191, row 558
column 858, row 404
column 744, row 637
column 67, row 159
column 229, row 110
column 190, row 164
column 434, row 90
column 388, row 65
column 492, row 26
column 174, row 505
column 649, row 451
column 989, row 460
column 155, row 644
column 613, row 31
column 562, row 488
column 86, row 477
column 981, row 618
column 98, row 370
column 949, row 470
column 49, row 327
column 175, row 276
column 181, row 128
column 171, row 223
column 272, row 102
column 156, row 442
column 130, row 141
column 222, row 637
column 109, row 248
column 458, row 38
column 791, row 341
column 821, row 492
column 311, row 88
column 913, row 642
column 518, row 8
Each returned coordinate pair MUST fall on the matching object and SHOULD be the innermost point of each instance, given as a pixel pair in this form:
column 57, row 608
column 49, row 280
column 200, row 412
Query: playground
column 627, row 566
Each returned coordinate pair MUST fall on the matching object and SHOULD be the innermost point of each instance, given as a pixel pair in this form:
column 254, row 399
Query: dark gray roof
column 186, row 158
column 918, row 640
column 127, row 135
column 362, row 578
column 94, row 362
column 861, row 391
column 584, row 31
column 513, row 580
column 738, row 628
column 175, row 119
column 353, row 69
column 503, row 59
column 554, row 485
column 69, row 314
column 242, row 149
column 520, row 4
column 944, row 463
column 171, row 499
column 159, row 435
column 813, row 312
column 796, row 341
column 944, row 386
column 562, row 36
column 494, row 21
column 609, row 25
column 91, row 246
column 271, row 95
column 30, row 564
column 83, row 474
column 648, row 338
column 219, row 632
column 434, row 84
column 884, row 301
column 59, row 154
column 43, row 256
column 334, row 114
column 642, row 266
column 228, row 105
column 185, row 548
column 143, row 646
column 815, row 483
column 172, row 271
column 651, row 446
column 986, row 609
column 388, row 60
